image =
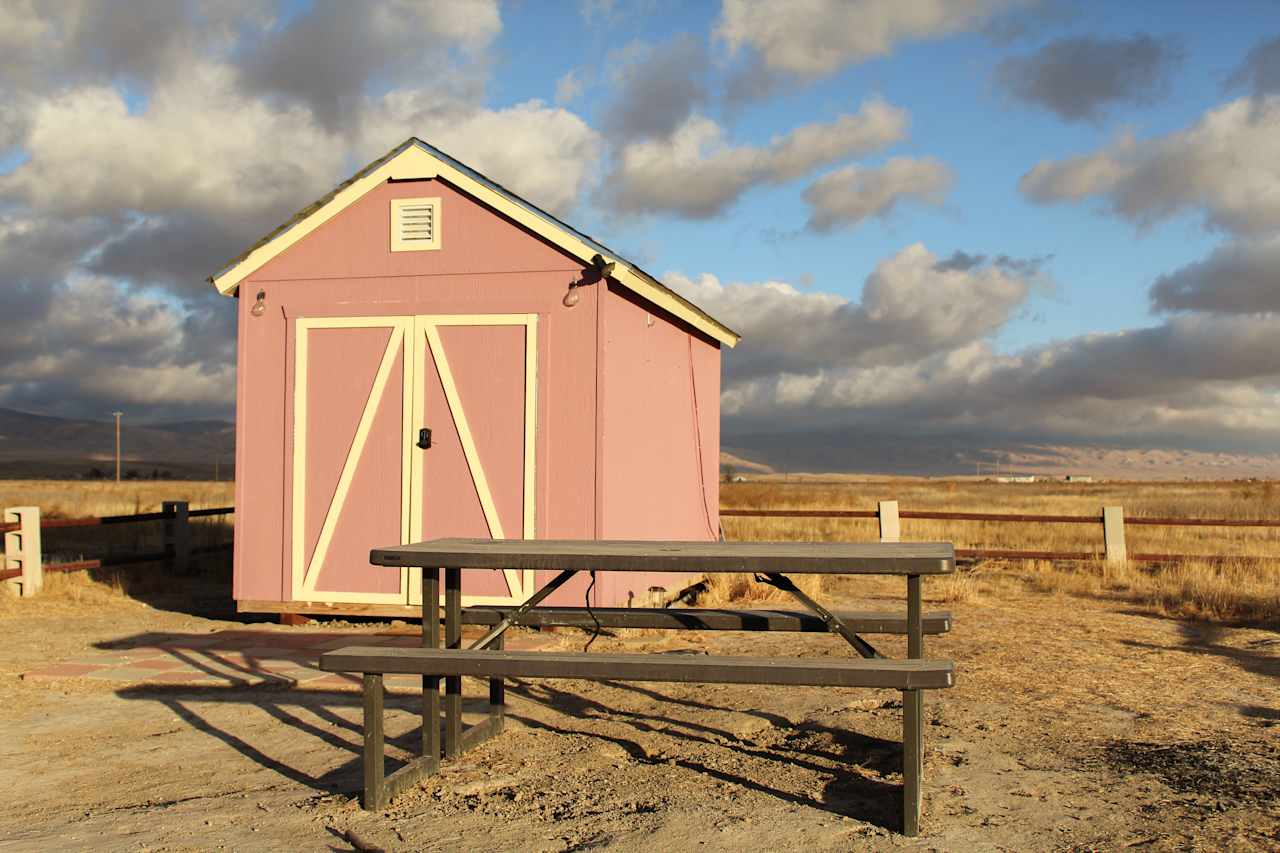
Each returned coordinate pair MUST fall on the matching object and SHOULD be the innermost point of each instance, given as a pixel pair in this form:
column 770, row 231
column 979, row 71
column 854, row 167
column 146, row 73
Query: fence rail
column 1111, row 519
column 23, row 561
column 737, row 512
column 22, row 558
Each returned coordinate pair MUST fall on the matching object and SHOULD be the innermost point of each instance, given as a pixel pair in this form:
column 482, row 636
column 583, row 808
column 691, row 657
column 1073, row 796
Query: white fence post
column 1113, row 534
column 177, row 535
column 22, row 548
column 890, row 530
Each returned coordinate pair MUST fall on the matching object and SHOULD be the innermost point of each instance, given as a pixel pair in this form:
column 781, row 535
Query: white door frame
column 305, row 573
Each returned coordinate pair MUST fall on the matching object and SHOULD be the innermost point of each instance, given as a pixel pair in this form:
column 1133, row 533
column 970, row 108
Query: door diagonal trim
column 312, row 573
column 474, row 465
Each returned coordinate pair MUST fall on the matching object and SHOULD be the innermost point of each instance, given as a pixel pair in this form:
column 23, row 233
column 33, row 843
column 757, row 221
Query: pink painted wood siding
column 659, row 435
column 487, row 265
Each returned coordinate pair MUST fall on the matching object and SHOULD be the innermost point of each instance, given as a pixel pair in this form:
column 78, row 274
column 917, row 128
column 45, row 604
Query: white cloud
column 1080, row 76
column 876, row 125
column 813, row 38
column 657, row 88
column 94, row 345
column 546, row 154
column 914, row 355
column 1260, row 70
column 200, row 145
column 912, row 305
column 1226, row 166
column 846, row 197
column 698, row 174
column 569, row 87
column 1240, row 277
column 329, row 55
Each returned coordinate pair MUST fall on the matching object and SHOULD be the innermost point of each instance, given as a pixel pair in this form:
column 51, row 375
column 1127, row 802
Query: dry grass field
column 1084, row 717
column 1245, row 590
column 75, row 499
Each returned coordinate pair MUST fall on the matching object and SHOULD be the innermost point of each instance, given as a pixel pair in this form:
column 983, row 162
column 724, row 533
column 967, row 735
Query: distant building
column 1025, row 478
column 1077, row 478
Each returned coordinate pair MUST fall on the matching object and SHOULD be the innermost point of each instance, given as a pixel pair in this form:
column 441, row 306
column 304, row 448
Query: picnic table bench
column 770, row 562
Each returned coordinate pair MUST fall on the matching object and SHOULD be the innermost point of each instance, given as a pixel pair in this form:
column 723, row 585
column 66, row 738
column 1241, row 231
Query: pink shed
column 422, row 353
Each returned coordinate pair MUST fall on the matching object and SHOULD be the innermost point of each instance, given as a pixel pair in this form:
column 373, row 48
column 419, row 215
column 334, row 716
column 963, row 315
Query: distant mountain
column 863, row 453
column 46, row 446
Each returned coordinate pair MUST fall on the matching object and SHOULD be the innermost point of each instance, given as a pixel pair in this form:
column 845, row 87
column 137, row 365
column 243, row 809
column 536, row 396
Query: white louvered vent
column 415, row 224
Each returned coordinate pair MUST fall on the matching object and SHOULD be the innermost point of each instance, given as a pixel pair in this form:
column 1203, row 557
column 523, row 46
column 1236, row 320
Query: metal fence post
column 1113, row 534
column 890, row 529
column 177, row 536
column 22, row 548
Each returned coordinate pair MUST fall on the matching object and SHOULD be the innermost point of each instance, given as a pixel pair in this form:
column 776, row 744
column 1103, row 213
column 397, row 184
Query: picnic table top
column 878, row 558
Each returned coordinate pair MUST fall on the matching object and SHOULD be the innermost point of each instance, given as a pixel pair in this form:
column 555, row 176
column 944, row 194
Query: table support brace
column 836, row 626
column 513, row 618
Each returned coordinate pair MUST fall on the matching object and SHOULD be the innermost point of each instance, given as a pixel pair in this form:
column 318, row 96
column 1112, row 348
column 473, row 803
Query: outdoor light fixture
column 597, row 271
column 260, row 307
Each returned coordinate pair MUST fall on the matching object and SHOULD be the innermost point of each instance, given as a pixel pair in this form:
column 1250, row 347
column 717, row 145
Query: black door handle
column 424, row 438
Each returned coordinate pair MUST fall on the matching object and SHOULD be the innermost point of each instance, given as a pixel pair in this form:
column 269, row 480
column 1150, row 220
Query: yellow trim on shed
column 413, row 161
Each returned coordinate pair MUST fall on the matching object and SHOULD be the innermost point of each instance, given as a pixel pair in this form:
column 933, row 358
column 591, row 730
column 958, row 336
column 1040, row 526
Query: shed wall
column 622, row 451
column 345, row 268
column 659, row 434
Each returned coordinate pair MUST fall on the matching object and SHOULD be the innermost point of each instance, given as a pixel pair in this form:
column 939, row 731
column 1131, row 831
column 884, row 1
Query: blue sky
column 999, row 221
column 1101, row 268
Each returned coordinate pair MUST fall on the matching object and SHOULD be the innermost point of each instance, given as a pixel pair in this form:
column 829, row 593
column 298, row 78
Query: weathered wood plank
column 375, row 796
column 660, row 556
column 912, row 761
column 704, row 619
column 407, row 776
column 832, row 672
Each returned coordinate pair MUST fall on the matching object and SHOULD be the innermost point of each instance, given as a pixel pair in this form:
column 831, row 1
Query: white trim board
column 414, row 161
column 415, row 337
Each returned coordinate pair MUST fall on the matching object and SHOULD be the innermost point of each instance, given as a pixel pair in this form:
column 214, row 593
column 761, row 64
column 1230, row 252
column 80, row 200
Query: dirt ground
column 1077, row 723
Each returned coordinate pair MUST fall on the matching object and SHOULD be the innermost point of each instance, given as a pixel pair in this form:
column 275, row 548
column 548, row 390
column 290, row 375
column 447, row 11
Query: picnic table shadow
column 856, row 763
column 1204, row 638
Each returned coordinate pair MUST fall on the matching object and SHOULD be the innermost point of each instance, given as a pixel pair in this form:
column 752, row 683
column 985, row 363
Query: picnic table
column 443, row 658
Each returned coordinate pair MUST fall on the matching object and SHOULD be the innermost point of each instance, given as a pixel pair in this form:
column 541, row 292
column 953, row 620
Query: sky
column 992, row 220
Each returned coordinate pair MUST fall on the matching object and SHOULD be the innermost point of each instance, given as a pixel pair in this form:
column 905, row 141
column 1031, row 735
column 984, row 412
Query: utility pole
column 117, row 416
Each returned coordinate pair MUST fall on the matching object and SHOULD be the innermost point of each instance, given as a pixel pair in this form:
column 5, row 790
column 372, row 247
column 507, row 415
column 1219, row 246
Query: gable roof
column 414, row 158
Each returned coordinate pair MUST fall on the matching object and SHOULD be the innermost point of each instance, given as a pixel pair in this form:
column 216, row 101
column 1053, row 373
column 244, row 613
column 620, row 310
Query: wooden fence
column 23, row 558
column 1112, row 520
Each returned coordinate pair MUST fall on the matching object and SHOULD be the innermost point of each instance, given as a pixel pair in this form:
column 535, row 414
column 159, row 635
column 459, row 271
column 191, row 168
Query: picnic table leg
column 453, row 683
column 431, row 683
column 912, row 734
column 374, row 771
column 913, row 717
column 497, row 696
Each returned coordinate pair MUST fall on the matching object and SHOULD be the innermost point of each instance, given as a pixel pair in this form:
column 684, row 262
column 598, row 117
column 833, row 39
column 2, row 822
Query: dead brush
column 1241, row 590
column 723, row 590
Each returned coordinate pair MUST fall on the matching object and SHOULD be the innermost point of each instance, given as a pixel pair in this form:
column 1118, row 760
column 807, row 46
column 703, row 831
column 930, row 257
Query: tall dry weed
column 1246, row 589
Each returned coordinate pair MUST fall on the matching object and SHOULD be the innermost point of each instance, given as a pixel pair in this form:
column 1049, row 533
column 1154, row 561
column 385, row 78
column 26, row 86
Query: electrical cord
column 586, row 597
